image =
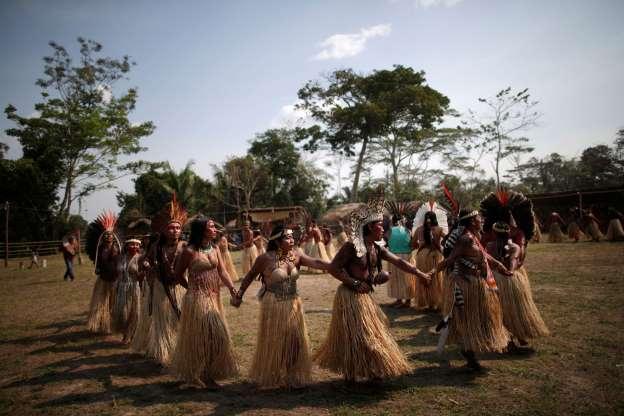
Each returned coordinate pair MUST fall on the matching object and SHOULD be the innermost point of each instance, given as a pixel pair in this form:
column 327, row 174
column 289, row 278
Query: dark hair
column 198, row 227
column 466, row 221
column 274, row 244
column 395, row 219
column 433, row 221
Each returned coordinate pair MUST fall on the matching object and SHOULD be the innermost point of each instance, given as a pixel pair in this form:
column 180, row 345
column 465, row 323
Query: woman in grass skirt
column 555, row 235
column 615, row 231
column 359, row 344
column 472, row 309
column 428, row 254
column 520, row 315
column 104, row 249
column 282, row 356
column 203, row 352
column 128, row 297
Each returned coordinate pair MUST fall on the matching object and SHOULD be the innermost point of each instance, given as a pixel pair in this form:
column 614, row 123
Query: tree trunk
column 358, row 169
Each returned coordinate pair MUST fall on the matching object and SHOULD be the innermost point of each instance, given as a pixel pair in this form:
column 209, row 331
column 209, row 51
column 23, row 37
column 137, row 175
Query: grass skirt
column 537, row 235
column 429, row 294
column 249, row 256
column 359, row 343
column 594, row 232
column 229, row 265
column 574, row 231
column 554, row 233
column 615, row 231
column 520, row 315
column 164, row 329
column 141, row 336
column 127, row 307
column 101, row 306
column 401, row 285
column 282, row 357
column 478, row 325
column 204, row 349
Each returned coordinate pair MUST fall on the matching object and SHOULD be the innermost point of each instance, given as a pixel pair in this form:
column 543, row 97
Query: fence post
column 6, row 234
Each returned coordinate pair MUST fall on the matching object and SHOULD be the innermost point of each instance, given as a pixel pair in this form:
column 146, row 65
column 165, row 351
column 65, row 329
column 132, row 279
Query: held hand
column 236, row 301
column 504, row 270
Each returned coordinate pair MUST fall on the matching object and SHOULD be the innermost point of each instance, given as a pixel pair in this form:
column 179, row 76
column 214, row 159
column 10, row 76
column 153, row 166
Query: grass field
column 50, row 365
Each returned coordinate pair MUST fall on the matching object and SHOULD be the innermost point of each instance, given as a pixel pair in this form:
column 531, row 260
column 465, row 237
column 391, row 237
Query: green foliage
column 81, row 127
column 393, row 112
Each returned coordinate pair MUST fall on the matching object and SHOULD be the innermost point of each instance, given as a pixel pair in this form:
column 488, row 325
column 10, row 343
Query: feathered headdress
column 452, row 205
column 511, row 207
column 172, row 212
column 372, row 212
column 401, row 209
column 104, row 223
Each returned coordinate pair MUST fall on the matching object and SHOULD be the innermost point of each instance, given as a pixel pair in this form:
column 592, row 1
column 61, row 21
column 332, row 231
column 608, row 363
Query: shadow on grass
column 239, row 396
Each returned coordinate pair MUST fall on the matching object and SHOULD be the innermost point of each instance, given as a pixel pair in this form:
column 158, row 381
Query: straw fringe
column 594, row 232
column 574, row 231
column 478, row 325
column 204, row 349
column 429, row 295
column 615, row 231
column 359, row 343
column 229, row 265
column 282, row 357
column 520, row 315
column 554, row 233
column 100, row 308
column 141, row 335
column 401, row 285
column 249, row 256
column 164, row 328
column 127, row 306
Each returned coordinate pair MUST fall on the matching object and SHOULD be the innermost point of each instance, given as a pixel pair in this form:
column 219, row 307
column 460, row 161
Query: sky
column 212, row 74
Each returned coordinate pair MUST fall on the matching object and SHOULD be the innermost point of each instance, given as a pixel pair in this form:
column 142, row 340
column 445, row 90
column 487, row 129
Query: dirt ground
column 50, row 364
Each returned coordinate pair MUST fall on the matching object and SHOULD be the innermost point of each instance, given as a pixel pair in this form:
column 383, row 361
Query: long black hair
column 433, row 222
column 275, row 243
column 198, row 227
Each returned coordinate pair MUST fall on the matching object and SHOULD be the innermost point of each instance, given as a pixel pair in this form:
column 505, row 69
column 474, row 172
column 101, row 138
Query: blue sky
column 212, row 74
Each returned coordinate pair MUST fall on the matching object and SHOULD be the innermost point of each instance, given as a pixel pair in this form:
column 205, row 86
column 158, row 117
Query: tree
column 276, row 151
column 243, row 175
column 509, row 113
column 3, row 149
column 81, row 122
column 353, row 111
column 599, row 167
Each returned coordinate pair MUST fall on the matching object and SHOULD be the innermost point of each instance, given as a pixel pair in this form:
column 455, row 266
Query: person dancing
column 472, row 309
column 127, row 296
column 359, row 344
column 203, row 352
column 166, row 293
column 104, row 250
column 428, row 238
column 520, row 315
column 282, row 356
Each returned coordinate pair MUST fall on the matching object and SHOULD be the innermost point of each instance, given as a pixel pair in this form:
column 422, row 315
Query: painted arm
column 337, row 268
column 402, row 264
column 308, row 261
column 182, row 264
column 255, row 270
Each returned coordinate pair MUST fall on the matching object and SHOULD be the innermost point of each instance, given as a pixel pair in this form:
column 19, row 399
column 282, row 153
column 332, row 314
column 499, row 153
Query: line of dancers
column 166, row 302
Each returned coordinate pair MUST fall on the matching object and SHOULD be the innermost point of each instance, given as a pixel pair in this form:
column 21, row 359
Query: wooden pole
column 79, row 251
column 6, row 234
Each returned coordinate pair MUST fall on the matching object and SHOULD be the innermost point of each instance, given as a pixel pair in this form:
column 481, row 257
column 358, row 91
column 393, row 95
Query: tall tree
column 352, row 111
column 81, row 121
column 508, row 114
column 275, row 149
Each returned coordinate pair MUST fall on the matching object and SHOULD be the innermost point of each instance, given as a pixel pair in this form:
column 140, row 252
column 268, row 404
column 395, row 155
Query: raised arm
column 402, row 264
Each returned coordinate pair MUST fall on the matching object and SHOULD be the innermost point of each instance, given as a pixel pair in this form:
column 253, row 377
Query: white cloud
column 289, row 116
column 425, row 4
column 343, row 45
